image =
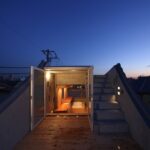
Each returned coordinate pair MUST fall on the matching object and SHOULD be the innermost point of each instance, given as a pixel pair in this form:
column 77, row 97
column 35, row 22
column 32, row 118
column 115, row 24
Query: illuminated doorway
column 56, row 90
column 69, row 90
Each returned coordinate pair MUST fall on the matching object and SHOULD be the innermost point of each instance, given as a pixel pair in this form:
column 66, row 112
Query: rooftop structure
column 107, row 101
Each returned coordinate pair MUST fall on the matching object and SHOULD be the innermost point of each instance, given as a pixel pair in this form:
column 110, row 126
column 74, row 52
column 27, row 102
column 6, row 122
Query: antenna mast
column 50, row 55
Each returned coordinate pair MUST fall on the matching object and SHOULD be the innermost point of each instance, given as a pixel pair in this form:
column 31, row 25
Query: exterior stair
column 108, row 117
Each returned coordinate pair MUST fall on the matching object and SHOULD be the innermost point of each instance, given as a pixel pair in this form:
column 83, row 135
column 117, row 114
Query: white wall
column 71, row 78
column 15, row 121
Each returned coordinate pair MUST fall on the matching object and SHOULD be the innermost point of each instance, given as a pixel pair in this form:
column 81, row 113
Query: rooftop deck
column 71, row 133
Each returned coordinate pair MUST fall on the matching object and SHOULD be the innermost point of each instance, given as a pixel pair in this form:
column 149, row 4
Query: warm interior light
column 48, row 76
column 118, row 147
column 113, row 99
column 65, row 92
column 78, row 105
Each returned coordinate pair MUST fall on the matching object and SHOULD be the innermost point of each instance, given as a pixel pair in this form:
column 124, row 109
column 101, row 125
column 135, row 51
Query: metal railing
column 14, row 73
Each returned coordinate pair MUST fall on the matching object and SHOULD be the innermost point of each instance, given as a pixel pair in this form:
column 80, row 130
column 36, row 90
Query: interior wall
column 50, row 94
column 65, row 92
column 71, row 78
column 63, row 79
column 59, row 96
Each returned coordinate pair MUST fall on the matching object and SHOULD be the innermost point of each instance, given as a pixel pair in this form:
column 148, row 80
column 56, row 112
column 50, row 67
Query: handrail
column 16, row 92
column 4, row 67
column 14, row 70
column 144, row 111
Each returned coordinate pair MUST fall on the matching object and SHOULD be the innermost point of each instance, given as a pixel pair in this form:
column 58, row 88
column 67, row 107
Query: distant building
column 144, row 90
column 141, row 86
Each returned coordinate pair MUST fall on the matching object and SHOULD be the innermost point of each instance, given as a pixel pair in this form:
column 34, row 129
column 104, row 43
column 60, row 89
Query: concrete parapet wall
column 135, row 114
column 15, row 119
column 15, row 115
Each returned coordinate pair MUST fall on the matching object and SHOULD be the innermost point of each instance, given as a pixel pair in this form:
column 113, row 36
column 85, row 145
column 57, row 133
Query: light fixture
column 48, row 76
column 73, row 70
column 118, row 147
column 118, row 92
column 118, row 87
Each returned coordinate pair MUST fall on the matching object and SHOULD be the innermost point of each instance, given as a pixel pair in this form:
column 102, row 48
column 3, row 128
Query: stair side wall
column 139, row 129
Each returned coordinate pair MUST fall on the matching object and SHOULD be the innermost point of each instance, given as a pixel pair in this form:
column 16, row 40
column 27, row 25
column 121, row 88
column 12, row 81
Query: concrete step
column 96, row 97
column 97, row 90
column 108, row 90
column 106, row 105
column 111, row 127
column 107, row 97
column 107, row 85
column 98, row 85
column 99, row 78
column 104, row 97
column 103, row 91
column 115, row 114
column 102, row 85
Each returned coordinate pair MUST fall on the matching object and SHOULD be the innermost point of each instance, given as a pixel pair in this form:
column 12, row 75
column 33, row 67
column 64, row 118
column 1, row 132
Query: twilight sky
column 82, row 32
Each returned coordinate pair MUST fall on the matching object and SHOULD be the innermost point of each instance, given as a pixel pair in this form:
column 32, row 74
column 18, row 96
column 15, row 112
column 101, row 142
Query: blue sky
column 82, row 32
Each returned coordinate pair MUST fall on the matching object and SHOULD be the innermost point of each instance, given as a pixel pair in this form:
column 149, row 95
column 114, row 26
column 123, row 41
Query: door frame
column 32, row 125
column 88, row 84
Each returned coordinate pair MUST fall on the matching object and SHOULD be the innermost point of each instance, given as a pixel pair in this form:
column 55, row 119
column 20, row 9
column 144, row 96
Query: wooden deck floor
column 71, row 133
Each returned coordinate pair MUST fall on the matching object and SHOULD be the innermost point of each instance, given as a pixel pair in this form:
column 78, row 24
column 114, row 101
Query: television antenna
column 50, row 55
